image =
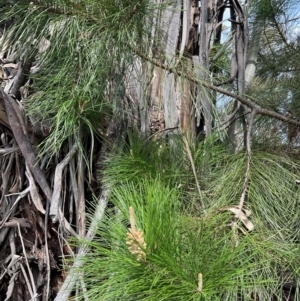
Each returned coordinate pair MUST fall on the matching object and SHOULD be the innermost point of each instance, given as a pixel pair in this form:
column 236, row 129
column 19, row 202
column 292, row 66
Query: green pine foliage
column 183, row 241
column 272, row 193
column 185, row 254
column 80, row 52
column 179, row 247
column 148, row 158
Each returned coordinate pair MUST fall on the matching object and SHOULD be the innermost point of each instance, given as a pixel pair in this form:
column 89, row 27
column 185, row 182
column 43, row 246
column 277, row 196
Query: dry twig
column 188, row 150
column 32, row 287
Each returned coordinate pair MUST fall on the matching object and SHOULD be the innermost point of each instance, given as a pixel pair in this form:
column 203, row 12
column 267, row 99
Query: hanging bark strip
column 240, row 28
column 56, row 200
column 204, row 98
column 18, row 127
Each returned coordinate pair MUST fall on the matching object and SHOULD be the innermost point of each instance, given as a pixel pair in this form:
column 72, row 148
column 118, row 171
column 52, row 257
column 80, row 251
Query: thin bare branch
column 74, row 274
column 22, row 222
column 80, row 214
column 188, row 150
column 32, row 287
column 249, row 156
column 244, row 99
column 6, row 151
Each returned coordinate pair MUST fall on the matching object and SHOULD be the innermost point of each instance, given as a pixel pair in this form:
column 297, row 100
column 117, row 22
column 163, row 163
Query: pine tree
column 106, row 101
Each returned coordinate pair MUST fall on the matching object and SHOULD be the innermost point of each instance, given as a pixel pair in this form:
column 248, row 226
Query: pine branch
column 245, row 100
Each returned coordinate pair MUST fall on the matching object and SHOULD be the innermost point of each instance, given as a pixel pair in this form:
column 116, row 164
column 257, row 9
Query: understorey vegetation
column 149, row 150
